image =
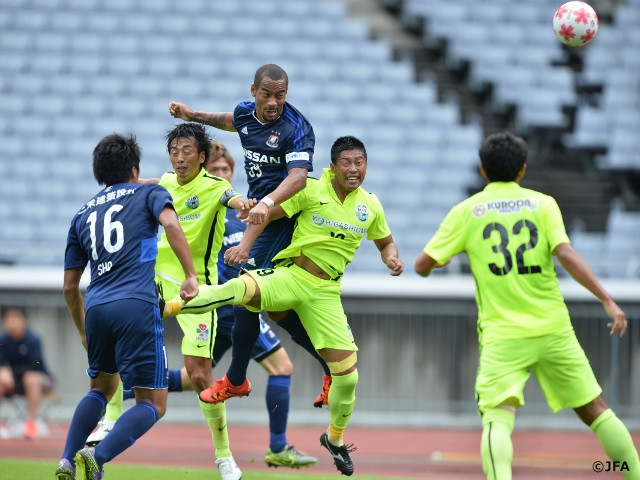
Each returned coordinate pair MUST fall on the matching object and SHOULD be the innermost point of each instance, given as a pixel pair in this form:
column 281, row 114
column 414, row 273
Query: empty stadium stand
column 72, row 71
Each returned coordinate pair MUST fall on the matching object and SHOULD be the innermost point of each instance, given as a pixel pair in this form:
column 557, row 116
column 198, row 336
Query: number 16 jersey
column 508, row 233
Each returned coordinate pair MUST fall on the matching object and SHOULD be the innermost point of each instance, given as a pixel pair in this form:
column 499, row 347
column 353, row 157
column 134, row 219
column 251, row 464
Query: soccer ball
column 575, row 23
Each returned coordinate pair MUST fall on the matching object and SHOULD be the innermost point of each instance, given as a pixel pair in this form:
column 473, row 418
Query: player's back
column 117, row 232
column 510, row 233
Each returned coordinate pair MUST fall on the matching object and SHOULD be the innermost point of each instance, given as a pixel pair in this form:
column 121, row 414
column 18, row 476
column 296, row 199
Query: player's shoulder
column 246, row 107
column 294, row 116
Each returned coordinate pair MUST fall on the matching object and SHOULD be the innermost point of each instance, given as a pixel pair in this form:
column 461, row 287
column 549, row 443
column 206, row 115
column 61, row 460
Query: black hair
column 271, row 71
column 347, row 142
column 502, row 155
column 8, row 308
column 113, row 158
column 188, row 130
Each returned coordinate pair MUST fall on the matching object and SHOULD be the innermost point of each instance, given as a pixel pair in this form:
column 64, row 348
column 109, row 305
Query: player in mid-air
column 268, row 351
column 510, row 235
column 278, row 144
column 121, row 328
column 334, row 215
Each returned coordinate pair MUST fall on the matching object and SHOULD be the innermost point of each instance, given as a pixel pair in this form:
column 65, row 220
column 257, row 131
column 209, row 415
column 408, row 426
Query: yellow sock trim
column 250, row 288
column 335, row 435
column 172, row 307
column 343, row 365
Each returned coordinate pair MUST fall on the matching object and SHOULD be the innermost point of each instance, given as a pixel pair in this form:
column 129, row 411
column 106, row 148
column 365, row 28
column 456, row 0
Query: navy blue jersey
column 233, row 231
column 116, row 231
column 271, row 149
column 24, row 355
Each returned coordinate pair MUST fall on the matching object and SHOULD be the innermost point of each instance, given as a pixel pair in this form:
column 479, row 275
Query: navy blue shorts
column 267, row 343
column 127, row 336
column 275, row 237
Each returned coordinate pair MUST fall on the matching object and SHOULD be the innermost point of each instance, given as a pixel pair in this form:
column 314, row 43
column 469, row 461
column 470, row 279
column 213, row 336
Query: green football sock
column 617, row 443
column 342, row 399
column 214, row 296
column 496, row 448
column 114, row 407
column 216, row 416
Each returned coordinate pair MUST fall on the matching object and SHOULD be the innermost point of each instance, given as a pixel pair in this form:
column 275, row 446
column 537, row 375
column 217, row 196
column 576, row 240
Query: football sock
column 496, row 448
column 342, row 399
column 175, row 381
column 133, row 423
column 278, row 407
column 335, row 435
column 210, row 297
column 216, row 417
column 114, row 407
column 616, row 442
column 245, row 332
column 292, row 324
column 84, row 420
column 127, row 394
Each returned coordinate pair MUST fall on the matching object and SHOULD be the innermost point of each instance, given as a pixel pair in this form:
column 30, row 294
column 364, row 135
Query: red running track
column 411, row 453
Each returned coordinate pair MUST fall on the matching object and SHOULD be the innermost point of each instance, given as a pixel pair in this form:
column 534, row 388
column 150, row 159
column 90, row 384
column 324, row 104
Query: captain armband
column 227, row 196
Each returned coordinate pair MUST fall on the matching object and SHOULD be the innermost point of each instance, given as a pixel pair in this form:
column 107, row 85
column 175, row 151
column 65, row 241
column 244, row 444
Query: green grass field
column 38, row 470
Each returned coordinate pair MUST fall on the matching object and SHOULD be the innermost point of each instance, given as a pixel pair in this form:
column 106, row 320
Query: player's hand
column 258, row 214
column 181, row 111
column 395, row 265
column 236, row 255
column 189, row 289
column 619, row 323
column 247, row 205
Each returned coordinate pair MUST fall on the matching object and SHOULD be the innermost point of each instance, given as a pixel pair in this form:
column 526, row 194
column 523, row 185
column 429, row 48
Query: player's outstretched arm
column 220, row 120
column 240, row 253
column 578, row 268
column 75, row 303
column 176, row 238
column 425, row 264
column 295, row 181
column 389, row 253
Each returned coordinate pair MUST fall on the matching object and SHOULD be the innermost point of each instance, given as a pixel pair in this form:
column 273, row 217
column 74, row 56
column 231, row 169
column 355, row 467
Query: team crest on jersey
column 273, row 140
column 362, row 213
column 479, row 210
column 192, row 202
column 202, row 333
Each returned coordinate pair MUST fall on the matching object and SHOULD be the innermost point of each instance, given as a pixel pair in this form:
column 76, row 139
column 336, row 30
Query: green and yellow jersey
column 323, row 216
column 508, row 233
column 201, row 210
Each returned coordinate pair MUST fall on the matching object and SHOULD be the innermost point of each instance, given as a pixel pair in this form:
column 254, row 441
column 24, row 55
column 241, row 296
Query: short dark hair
column 347, row 142
column 113, row 158
column 272, row 71
column 502, row 155
column 12, row 308
column 188, row 130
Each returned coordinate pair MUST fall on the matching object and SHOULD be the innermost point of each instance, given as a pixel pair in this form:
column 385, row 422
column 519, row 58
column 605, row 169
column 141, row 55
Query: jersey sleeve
column 379, row 227
column 158, row 198
column 293, row 205
column 449, row 238
column 74, row 255
column 299, row 152
column 554, row 225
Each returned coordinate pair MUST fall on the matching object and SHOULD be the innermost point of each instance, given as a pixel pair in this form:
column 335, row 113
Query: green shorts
column 316, row 301
column 557, row 360
column 198, row 329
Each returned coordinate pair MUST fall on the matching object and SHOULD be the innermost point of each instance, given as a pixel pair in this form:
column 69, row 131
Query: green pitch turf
column 38, row 470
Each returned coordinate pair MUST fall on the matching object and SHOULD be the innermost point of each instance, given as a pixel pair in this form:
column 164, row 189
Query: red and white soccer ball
column 575, row 23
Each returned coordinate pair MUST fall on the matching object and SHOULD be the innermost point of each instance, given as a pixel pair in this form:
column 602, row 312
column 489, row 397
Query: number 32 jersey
column 508, row 233
column 116, row 231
